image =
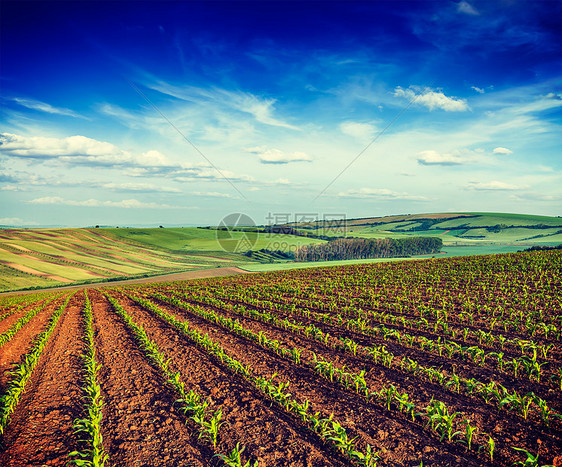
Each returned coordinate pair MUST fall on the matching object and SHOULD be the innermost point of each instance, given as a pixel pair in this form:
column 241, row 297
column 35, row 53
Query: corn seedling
column 94, row 455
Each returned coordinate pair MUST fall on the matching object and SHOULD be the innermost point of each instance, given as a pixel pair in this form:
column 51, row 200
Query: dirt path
column 41, row 427
column 177, row 276
column 140, row 426
column 270, row 435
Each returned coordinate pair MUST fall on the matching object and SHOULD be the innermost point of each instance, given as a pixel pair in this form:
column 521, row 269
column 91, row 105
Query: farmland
column 50, row 257
column 40, row 258
column 450, row 361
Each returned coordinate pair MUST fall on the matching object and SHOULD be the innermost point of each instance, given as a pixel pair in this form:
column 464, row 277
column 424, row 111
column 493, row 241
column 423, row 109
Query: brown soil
column 13, row 350
column 273, row 437
column 401, row 440
column 530, row 432
column 140, row 424
column 40, row 430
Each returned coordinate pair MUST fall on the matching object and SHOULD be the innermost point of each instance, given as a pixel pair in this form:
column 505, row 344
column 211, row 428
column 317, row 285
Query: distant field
column 190, row 239
column 469, row 228
column 50, row 257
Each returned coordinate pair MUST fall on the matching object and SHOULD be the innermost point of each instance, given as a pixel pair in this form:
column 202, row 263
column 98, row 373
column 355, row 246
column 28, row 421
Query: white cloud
column 79, row 149
column 500, row 150
column 434, row 158
column 126, row 203
column 494, row 185
column 15, row 221
column 275, row 156
column 364, row 131
column 536, row 197
column 44, row 107
column 40, row 146
column 213, row 194
column 432, row 99
column 145, row 187
column 477, row 89
column 11, row 188
column 259, row 107
column 381, row 193
column 212, row 174
column 467, row 8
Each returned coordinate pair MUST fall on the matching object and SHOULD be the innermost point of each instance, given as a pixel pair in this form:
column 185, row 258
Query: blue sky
column 127, row 113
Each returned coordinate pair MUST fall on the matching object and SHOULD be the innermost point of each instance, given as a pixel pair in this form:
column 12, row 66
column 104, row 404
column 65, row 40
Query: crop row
column 437, row 414
column 327, row 428
column 94, row 454
column 488, row 391
column 191, row 403
column 441, row 325
column 20, row 323
column 521, row 288
column 529, row 362
column 22, row 372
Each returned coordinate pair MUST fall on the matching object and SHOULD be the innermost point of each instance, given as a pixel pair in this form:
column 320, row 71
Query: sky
column 181, row 113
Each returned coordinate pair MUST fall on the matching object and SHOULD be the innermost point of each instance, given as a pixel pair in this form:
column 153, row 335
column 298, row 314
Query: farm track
column 40, row 430
column 140, row 426
column 487, row 417
column 269, row 434
column 401, row 441
column 13, row 350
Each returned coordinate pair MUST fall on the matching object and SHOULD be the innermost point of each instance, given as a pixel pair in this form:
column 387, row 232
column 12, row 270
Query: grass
column 190, row 239
column 448, row 251
column 83, row 255
column 91, row 255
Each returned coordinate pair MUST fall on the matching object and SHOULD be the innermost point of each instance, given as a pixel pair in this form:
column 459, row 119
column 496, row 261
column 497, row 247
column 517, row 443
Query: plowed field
column 437, row 362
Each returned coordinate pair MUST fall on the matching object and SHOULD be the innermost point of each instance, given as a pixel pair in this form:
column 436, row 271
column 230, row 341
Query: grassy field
column 469, row 228
column 49, row 257
column 189, row 239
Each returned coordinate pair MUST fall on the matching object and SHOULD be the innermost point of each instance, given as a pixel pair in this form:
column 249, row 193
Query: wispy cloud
column 47, row 108
column 15, row 221
column 213, row 194
column 503, row 151
column 432, row 99
column 363, row 131
column 495, row 185
column 466, row 8
column 261, row 108
column 142, row 187
column 276, row 156
column 126, row 203
column 435, row 158
column 381, row 193
column 477, row 89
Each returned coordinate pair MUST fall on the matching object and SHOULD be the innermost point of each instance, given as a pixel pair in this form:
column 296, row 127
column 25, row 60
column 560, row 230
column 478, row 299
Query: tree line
column 364, row 248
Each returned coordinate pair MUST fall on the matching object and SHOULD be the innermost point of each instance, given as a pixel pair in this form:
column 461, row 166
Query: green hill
column 459, row 229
